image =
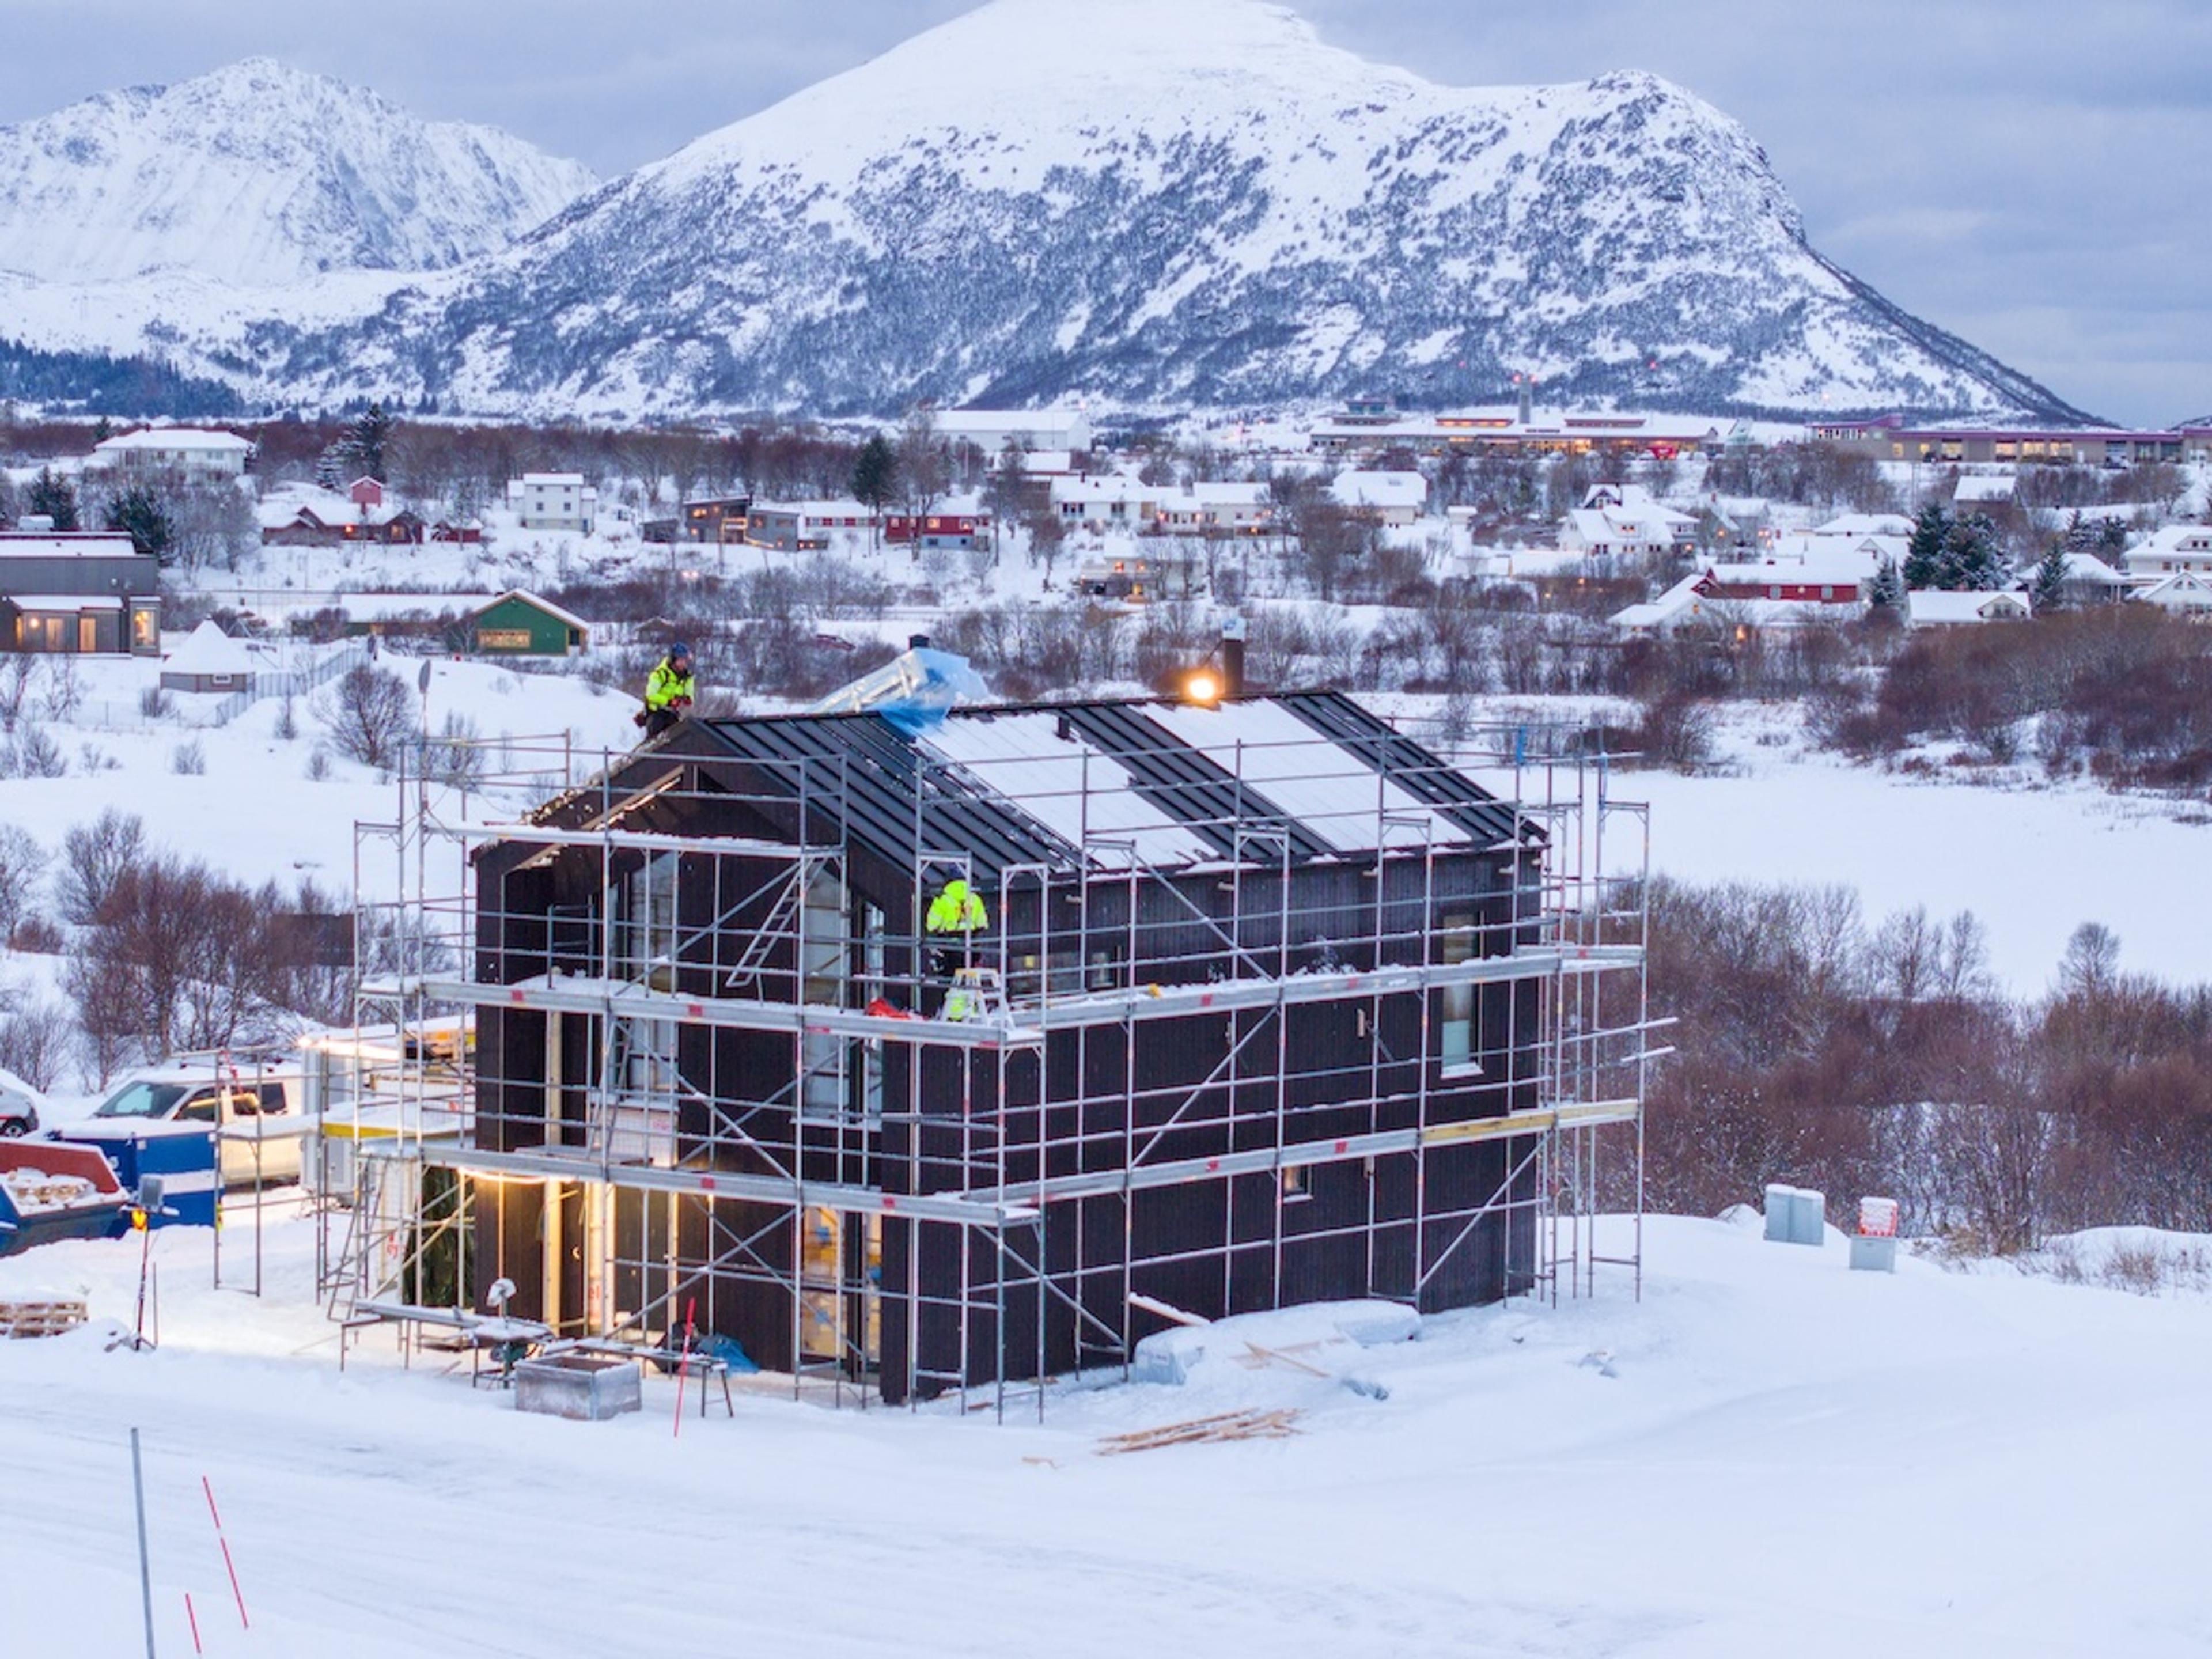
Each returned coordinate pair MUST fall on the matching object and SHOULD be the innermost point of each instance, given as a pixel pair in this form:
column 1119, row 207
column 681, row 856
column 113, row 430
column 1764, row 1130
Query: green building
column 520, row 624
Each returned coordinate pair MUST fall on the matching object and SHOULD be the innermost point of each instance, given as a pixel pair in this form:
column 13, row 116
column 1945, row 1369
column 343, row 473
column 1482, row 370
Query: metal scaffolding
column 681, row 1184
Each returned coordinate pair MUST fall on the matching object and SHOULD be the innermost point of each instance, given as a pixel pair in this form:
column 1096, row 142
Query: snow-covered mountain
column 259, row 174
column 1157, row 204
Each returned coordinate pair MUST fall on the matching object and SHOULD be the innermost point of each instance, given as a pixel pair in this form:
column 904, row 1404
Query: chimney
column 1527, row 397
column 1233, row 658
column 917, row 641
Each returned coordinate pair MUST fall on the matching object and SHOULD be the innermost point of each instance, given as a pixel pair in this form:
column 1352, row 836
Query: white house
column 196, row 452
column 2179, row 547
column 553, row 501
column 1109, row 499
column 1930, row 607
column 1858, row 525
column 1623, row 521
column 1243, row 510
column 2185, row 593
column 991, row 430
column 1385, row 497
column 806, row 526
column 1985, row 491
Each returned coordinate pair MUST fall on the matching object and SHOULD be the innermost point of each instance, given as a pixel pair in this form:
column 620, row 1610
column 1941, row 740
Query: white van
column 261, row 1126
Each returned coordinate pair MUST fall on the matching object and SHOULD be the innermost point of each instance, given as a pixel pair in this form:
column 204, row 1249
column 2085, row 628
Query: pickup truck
column 260, row 1128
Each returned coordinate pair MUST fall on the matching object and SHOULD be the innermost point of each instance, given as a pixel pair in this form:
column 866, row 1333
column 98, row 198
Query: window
column 1297, row 1182
column 1455, row 1003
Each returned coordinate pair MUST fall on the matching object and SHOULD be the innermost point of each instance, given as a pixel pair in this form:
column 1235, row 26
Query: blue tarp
column 946, row 679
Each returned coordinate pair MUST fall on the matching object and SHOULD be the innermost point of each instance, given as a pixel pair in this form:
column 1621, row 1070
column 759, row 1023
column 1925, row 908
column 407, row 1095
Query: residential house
column 1108, row 499
column 1029, row 429
column 78, row 594
column 519, row 623
column 559, row 502
column 959, row 523
column 1754, row 595
column 717, row 519
column 1981, row 493
column 1242, row 1009
column 1115, row 581
column 1218, row 509
column 2185, row 593
column 1936, row 608
column 804, row 527
column 1394, row 498
column 198, row 453
column 2178, row 547
column 1622, row 521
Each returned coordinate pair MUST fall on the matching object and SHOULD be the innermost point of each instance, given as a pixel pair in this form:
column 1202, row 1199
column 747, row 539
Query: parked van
column 260, row 1124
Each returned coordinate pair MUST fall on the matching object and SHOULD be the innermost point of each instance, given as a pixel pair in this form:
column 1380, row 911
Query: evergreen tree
column 330, row 465
column 102, row 430
column 2048, row 591
column 875, row 475
column 139, row 514
column 1886, row 593
column 1924, row 554
column 52, row 496
column 1974, row 555
column 364, row 442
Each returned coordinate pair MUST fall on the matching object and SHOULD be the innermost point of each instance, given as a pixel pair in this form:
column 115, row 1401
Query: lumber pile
column 26, row 1319
column 1278, row 1424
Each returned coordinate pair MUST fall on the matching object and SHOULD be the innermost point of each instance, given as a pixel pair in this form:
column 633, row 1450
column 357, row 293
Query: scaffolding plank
column 554, row 1165
column 1579, row 1114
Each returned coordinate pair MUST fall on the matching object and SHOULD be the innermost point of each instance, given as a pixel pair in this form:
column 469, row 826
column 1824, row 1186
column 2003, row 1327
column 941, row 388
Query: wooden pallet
column 1279, row 1425
column 24, row 1319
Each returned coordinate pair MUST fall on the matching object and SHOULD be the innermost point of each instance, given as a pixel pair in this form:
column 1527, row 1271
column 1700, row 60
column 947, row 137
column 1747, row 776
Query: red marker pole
column 228, row 1565
column 195, row 1620
column 683, row 1363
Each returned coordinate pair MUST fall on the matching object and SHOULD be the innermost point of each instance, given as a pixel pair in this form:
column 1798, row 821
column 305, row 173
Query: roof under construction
column 1113, row 784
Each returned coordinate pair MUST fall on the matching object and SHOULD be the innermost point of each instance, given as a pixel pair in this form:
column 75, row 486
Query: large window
column 1455, row 1003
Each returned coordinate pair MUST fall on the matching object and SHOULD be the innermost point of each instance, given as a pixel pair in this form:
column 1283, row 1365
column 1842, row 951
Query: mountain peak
column 261, row 173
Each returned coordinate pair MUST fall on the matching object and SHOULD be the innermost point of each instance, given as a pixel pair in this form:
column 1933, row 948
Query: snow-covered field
column 1776, row 1456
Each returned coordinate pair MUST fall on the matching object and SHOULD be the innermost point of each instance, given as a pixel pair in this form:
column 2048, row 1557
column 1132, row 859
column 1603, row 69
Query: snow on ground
column 2031, row 859
column 1785, row 1457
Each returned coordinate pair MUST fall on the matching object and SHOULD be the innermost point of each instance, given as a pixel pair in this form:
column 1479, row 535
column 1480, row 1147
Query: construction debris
column 1278, row 1424
column 26, row 1319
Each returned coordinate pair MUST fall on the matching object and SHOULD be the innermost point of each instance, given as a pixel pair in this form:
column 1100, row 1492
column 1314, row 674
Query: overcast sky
column 2031, row 174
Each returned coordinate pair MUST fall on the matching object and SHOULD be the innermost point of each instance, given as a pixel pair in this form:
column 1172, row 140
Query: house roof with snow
column 173, row 439
column 1984, row 491
column 1380, row 490
column 209, row 650
column 2184, row 590
column 1856, row 525
column 66, row 545
column 565, row 618
column 1937, row 607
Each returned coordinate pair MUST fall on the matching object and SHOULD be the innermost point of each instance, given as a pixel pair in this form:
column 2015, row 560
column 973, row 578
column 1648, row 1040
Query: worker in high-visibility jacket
column 957, row 909
column 957, row 912
column 668, row 691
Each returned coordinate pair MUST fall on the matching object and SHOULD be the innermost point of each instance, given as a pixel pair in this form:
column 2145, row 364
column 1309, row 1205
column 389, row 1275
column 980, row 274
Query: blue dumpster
column 50, row 1191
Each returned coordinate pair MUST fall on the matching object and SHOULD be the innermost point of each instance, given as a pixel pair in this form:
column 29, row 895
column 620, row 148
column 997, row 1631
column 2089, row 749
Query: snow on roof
column 1866, row 523
column 158, row 438
column 955, row 422
column 1928, row 605
column 210, row 651
column 2088, row 568
column 66, row 545
column 66, row 601
column 281, row 508
column 846, row 508
column 1230, row 495
column 1978, row 490
column 1380, row 490
column 1680, row 599
column 1327, row 788
column 1076, row 791
column 382, row 607
column 567, row 480
column 565, row 618
column 2183, row 591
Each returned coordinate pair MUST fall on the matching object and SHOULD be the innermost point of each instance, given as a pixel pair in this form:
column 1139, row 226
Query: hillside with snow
column 259, row 174
column 1159, row 205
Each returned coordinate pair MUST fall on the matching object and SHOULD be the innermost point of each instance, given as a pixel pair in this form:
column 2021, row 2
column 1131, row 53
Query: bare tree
column 95, row 857
column 22, row 862
column 370, row 712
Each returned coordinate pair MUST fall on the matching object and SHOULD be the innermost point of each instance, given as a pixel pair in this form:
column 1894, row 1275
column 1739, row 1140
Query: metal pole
column 145, row 1568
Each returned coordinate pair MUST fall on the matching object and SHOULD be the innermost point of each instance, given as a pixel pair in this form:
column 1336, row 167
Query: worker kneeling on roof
column 668, row 691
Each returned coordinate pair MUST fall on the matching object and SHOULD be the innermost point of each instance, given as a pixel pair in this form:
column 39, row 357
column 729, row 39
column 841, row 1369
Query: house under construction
column 915, row 1057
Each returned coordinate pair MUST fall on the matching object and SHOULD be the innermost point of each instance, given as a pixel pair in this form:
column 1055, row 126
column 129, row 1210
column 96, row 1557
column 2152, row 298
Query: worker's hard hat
column 678, row 648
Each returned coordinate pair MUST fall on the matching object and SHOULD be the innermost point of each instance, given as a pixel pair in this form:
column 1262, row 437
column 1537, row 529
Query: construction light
column 1203, row 687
